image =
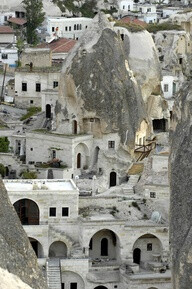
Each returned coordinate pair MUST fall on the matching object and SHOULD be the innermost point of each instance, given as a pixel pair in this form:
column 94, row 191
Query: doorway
column 113, row 179
column 137, row 256
column 48, row 111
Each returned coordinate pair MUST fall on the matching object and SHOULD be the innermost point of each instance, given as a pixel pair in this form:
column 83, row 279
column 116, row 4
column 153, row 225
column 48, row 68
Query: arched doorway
column 100, row 287
column 58, row 249
column 137, row 255
column 113, row 179
column 78, row 161
column 104, row 245
column 28, row 212
column 74, row 127
column 48, row 111
column 37, row 247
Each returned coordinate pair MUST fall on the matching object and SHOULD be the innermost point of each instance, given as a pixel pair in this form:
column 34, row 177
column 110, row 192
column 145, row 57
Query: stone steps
column 54, row 274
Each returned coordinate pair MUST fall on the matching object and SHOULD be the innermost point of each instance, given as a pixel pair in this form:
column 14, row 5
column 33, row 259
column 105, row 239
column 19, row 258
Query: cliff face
column 97, row 82
column 181, row 190
column 16, row 253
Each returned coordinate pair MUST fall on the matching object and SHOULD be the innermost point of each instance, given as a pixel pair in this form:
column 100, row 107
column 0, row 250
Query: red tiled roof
column 18, row 21
column 6, row 30
column 133, row 20
column 62, row 45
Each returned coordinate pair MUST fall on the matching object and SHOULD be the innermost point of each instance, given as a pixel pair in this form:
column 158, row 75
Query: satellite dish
column 156, row 217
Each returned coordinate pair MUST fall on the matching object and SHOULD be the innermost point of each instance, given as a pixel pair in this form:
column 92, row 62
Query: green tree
column 35, row 16
column 4, row 145
column 2, row 170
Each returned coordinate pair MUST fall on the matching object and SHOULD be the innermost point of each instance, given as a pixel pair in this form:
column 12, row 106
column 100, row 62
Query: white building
column 30, row 84
column 169, row 86
column 67, row 27
column 5, row 15
column 148, row 12
column 9, row 56
column 88, row 251
column 6, row 35
column 125, row 6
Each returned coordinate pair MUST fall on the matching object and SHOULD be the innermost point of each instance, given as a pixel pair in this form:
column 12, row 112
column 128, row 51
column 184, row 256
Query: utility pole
column 1, row 98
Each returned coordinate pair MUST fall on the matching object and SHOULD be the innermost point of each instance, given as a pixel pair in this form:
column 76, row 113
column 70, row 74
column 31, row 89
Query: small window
column 75, row 27
column 52, row 212
column 4, row 56
column 38, row 87
column 55, row 84
column 65, row 212
column 123, row 7
column 86, row 27
column 66, row 28
column 111, row 144
column 24, row 86
column 80, row 26
column 31, row 101
column 152, row 195
column 148, row 9
column 166, row 87
column 69, row 28
column 62, row 285
column 149, row 247
column 5, row 18
column 91, row 244
column 53, row 29
column 73, row 286
column 180, row 60
column 31, row 149
column 53, row 154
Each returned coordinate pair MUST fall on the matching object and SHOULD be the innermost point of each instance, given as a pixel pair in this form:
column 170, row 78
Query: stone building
column 95, row 249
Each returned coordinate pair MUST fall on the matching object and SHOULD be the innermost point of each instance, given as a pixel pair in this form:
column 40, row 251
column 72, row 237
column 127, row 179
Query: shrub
column 153, row 28
column 30, row 112
column 134, row 204
column 29, row 175
column 4, row 145
column 2, row 170
column 132, row 27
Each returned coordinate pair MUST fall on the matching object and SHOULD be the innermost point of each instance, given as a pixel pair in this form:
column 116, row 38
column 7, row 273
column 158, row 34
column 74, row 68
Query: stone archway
column 37, row 247
column 100, row 287
column 58, row 249
column 150, row 247
column 81, row 152
column 104, row 245
column 27, row 211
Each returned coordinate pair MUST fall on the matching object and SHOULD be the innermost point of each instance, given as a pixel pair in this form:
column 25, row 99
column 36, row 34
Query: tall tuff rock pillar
column 181, row 190
column 16, row 253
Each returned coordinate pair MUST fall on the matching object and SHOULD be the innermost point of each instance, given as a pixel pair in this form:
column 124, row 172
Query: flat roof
column 40, row 185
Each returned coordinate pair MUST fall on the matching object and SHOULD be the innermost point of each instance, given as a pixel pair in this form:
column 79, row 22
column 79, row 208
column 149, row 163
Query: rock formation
column 16, row 253
column 181, row 190
column 98, row 83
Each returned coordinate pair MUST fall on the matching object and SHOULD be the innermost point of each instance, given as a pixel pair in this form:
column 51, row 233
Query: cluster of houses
column 89, row 227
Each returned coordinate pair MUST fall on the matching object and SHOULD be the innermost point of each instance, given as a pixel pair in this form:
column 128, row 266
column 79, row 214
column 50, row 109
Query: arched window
column 75, row 27
column 74, row 127
column 28, row 212
column 48, row 111
column 104, row 247
column 58, row 249
column 113, row 179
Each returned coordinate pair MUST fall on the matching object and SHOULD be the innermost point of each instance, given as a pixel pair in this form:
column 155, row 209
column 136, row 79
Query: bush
column 153, row 28
column 29, row 175
column 132, row 27
column 2, row 170
column 30, row 111
column 134, row 204
column 4, row 145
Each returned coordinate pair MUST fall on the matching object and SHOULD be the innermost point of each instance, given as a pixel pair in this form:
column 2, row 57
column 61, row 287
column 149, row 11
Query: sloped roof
column 6, row 30
column 18, row 21
column 61, row 45
column 133, row 20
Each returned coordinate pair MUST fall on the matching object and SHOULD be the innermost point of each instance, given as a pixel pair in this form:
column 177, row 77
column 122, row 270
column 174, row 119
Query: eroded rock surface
column 181, row 190
column 97, row 82
column 16, row 253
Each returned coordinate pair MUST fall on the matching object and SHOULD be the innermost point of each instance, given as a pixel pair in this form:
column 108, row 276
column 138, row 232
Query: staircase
column 128, row 187
column 54, row 273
